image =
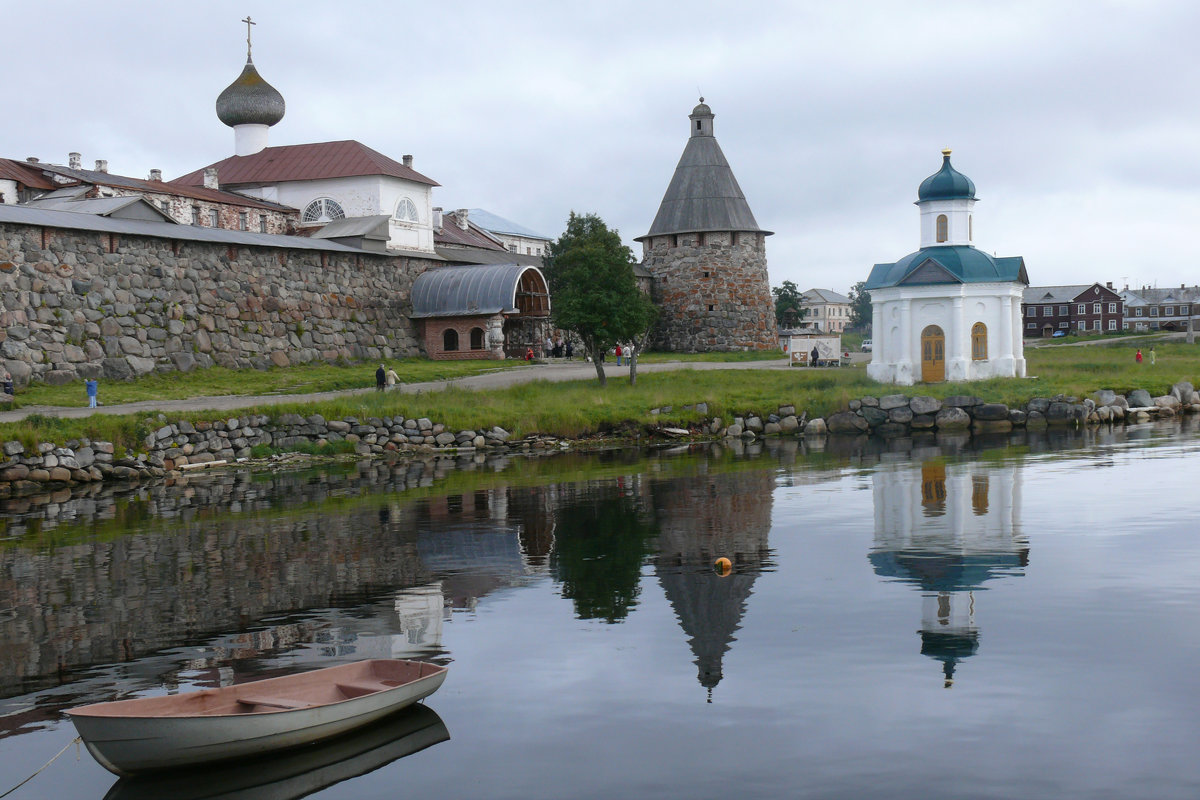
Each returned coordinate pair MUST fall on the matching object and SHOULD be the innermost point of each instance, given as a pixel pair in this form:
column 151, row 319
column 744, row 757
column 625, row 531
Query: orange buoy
column 723, row 565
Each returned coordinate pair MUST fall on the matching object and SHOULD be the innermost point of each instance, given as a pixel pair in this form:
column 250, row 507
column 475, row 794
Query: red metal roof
column 25, row 173
column 451, row 234
column 303, row 162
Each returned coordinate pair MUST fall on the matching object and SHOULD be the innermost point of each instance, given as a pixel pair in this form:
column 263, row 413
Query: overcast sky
column 1078, row 121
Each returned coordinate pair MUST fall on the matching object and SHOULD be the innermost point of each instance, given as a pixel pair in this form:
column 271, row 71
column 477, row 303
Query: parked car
column 866, row 345
column 1058, row 334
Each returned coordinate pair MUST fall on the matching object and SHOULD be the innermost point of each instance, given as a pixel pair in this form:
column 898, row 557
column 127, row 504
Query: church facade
column 707, row 256
column 948, row 311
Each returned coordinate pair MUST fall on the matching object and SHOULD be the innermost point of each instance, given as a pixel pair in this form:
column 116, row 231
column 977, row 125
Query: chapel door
column 933, row 355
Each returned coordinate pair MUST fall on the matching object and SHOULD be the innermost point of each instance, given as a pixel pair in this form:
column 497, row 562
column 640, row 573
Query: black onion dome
column 250, row 100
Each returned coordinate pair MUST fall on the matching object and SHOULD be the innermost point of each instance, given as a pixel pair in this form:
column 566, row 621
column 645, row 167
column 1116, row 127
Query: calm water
column 915, row 620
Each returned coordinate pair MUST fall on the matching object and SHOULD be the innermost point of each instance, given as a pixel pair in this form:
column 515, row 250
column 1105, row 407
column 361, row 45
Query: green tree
column 860, row 307
column 593, row 291
column 788, row 309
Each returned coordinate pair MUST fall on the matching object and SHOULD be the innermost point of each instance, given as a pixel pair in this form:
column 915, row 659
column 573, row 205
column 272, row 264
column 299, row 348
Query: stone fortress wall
column 81, row 304
column 712, row 290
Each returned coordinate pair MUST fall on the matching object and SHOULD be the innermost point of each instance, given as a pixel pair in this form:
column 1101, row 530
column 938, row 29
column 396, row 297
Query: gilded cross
column 248, row 22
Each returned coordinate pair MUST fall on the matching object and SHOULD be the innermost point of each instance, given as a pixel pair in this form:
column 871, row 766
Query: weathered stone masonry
column 713, row 290
column 81, row 304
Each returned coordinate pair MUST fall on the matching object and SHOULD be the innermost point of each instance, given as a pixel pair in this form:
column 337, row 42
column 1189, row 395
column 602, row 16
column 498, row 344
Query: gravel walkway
column 562, row 371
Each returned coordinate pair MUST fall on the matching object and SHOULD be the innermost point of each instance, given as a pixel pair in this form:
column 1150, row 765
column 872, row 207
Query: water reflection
column 299, row 773
column 948, row 529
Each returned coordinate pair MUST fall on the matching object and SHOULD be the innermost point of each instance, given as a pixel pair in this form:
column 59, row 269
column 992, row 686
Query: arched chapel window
column 942, row 228
column 979, row 342
column 406, row 210
column 476, row 338
column 322, row 210
column 450, row 340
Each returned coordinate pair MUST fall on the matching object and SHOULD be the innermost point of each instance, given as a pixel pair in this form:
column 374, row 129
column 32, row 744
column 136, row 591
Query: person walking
column 618, row 354
column 1138, row 356
column 570, row 349
column 93, row 390
column 813, row 357
column 393, row 379
column 1152, row 355
column 380, row 378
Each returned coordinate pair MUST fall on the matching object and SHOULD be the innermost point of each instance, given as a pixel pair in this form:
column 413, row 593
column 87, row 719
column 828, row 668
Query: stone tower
column 707, row 255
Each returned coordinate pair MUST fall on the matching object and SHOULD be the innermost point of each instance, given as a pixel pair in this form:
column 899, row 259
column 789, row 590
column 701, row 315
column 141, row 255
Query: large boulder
column 990, row 412
column 1104, row 397
column 962, row 401
column 1139, row 398
column 888, row 402
column 117, row 369
column 952, row 419
column 924, row 404
column 816, row 427
column 846, row 422
column 874, row 416
column 902, row 415
column 1183, row 391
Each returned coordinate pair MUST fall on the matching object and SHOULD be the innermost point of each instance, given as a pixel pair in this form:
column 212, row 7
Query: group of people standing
column 385, row 378
column 558, row 348
column 1138, row 355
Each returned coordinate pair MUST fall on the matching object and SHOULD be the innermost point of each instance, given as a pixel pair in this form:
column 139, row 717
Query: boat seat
column 273, row 702
column 361, row 688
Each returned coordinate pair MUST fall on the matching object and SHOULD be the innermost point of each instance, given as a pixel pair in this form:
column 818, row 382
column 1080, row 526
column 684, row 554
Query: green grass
column 218, row 381
column 581, row 408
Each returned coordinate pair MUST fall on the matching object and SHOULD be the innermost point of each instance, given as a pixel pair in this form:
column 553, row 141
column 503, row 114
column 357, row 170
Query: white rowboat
column 248, row 719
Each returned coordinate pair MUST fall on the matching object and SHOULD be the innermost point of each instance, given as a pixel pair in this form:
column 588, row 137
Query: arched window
column 942, row 228
column 450, row 340
column 406, row 210
column 476, row 338
column 322, row 210
column 979, row 342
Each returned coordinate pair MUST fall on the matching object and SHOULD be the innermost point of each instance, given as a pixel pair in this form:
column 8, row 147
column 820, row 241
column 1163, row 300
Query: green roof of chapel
column 948, row 264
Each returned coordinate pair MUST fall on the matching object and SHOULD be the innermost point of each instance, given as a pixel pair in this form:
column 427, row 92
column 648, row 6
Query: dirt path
column 565, row 371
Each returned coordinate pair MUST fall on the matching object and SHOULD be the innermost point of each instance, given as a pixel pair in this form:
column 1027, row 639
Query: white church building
column 948, row 311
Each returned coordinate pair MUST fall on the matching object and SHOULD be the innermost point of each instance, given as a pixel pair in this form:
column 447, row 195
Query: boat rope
column 76, row 740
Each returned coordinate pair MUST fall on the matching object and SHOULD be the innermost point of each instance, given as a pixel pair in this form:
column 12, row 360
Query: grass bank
column 580, row 408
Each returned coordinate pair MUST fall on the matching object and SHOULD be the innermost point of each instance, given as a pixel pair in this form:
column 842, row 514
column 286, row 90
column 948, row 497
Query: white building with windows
column 324, row 181
column 826, row 310
column 947, row 311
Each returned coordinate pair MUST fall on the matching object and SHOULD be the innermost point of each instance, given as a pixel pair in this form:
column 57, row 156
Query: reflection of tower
column 701, row 519
column 948, row 533
column 420, row 611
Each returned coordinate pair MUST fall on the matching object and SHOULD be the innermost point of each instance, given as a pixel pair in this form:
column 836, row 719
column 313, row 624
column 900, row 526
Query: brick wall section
column 434, row 336
column 78, row 304
column 712, row 291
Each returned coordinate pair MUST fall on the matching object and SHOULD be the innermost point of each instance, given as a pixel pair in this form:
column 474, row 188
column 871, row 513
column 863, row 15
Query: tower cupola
column 702, row 119
column 947, row 199
column 250, row 106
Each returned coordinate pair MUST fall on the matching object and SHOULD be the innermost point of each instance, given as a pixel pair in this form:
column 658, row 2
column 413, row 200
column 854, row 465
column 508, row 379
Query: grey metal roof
column 498, row 224
column 117, row 207
column 25, row 215
column 824, row 296
column 703, row 194
column 479, row 255
column 468, row 291
column 374, row 227
column 1053, row 294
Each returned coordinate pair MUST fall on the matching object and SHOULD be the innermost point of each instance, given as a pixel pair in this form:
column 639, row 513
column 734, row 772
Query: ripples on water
column 921, row 618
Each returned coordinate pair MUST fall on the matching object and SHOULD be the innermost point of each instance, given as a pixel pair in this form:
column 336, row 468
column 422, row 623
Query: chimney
column 156, row 175
column 460, row 216
column 1108, row 284
column 101, row 165
column 33, row 160
column 437, row 219
column 210, row 178
column 74, row 161
column 407, row 161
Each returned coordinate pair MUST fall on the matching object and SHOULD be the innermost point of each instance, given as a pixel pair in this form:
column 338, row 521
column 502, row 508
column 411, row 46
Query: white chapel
column 948, row 311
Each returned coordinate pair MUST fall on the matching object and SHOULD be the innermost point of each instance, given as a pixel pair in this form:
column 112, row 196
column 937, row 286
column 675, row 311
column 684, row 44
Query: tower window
column 711, row 307
column 697, row 124
column 706, row 274
column 942, row 228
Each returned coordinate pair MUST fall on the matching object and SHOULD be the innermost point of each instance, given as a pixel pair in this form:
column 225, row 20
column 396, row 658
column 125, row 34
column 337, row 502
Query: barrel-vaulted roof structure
column 469, row 291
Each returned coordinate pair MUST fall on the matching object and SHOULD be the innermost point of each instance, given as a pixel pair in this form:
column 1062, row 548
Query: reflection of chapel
column 948, row 311
column 948, row 533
